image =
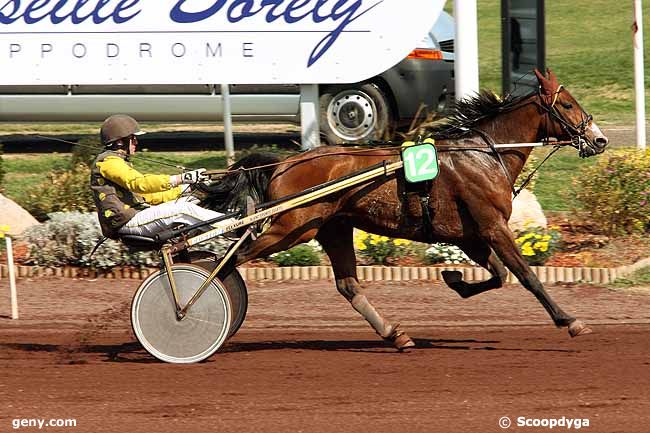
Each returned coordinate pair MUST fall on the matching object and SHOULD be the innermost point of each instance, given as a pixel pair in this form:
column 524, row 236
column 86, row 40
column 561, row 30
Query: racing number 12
column 420, row 163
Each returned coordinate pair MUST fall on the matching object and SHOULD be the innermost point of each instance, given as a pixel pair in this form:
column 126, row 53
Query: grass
column 588, row 46
column 555, row 185
column 25, row 172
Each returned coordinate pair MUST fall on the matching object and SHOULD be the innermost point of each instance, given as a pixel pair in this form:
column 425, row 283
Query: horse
column 468, row 204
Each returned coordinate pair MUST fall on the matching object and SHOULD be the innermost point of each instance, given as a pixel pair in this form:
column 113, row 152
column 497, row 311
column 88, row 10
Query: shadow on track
column 134, row 353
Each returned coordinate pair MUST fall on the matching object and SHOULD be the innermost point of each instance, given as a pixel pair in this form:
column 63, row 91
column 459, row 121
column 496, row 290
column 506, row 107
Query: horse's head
column 567, row 121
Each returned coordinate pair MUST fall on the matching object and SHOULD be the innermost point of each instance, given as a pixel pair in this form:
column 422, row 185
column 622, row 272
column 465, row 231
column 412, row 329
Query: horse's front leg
column 500, row 238
column 481, row 253
column 337, row 241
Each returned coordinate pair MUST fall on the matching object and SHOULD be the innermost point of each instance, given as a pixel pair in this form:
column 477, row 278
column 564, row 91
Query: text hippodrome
column 140, row 50
column 74, row 12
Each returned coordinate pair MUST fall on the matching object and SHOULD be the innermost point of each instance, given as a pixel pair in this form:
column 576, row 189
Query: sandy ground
column 304, row 361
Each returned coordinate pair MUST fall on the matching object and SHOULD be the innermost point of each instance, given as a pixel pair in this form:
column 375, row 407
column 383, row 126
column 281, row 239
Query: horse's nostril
column 601, row 141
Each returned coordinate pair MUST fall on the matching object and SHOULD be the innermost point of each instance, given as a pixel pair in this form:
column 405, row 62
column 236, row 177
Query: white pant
column 155, row 219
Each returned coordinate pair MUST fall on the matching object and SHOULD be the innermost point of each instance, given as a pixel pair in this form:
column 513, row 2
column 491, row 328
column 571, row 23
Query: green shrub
column 615, row 192
column 538, row 244
column 378, row 250
column 63, row 191
column 68, row 238
column 300, row 255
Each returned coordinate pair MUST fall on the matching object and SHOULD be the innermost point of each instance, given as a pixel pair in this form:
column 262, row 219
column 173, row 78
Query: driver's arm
column 154, row 188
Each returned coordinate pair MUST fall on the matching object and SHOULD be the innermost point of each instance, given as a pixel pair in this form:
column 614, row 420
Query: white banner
column 207, row 41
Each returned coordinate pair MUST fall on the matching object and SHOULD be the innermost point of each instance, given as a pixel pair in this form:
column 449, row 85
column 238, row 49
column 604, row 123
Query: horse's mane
column 467, row 113
column 230, row 193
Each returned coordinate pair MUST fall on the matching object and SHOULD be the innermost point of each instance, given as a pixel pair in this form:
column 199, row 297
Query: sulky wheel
column 232, row 282
column 192, row 339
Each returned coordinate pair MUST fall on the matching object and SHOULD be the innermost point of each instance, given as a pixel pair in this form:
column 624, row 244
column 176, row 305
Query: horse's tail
column 230, row 193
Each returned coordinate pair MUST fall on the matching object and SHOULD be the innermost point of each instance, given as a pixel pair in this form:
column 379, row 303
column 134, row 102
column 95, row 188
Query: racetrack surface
column 305, row 361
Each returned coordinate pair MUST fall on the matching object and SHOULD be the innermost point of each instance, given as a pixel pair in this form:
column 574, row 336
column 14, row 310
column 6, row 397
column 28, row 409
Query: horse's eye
column 567, row 105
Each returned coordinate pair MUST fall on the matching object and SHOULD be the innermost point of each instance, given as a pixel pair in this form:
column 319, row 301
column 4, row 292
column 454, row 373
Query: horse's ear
column 552, row 79
column 541, row 78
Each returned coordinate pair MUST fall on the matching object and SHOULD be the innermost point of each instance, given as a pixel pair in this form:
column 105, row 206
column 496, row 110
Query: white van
column 349, row 113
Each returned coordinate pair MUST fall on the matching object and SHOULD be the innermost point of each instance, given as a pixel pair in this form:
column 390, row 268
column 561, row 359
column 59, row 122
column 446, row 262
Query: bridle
column 577, row 133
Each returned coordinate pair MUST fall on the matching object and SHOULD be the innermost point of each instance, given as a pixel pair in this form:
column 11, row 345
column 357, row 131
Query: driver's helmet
column 118, row 126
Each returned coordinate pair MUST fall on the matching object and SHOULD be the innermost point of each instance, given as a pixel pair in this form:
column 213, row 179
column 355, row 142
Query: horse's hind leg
column 336, row 239
column 482, row 254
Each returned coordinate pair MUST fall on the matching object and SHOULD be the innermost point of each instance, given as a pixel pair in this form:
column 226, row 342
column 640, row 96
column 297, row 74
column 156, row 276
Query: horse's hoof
column 577, row 328
column 454, row 281
column 452, row 277
column 403, row 342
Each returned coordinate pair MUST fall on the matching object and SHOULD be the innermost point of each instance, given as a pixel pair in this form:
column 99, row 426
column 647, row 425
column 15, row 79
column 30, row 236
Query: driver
column 131, row 203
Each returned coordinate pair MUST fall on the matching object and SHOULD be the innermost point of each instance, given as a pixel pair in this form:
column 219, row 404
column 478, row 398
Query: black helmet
column 118, row 126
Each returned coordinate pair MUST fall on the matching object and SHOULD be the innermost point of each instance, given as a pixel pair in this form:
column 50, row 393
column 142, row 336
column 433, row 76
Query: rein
column 395, row 151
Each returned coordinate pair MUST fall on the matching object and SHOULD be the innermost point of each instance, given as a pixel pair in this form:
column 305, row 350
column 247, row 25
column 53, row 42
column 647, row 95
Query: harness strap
column 427, row 223
column 490, row 142
column 97, row 245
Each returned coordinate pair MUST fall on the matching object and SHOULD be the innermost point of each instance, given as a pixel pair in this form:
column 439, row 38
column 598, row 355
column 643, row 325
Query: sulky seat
column 140, row 243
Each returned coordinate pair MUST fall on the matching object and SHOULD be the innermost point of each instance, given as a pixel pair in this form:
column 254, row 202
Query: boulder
column 14, row 216
column 526, row 211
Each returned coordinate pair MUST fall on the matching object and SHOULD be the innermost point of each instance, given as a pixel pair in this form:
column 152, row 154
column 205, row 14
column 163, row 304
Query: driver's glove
column 188, row 177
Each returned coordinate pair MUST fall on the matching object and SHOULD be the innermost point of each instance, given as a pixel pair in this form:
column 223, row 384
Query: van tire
column 354, row 113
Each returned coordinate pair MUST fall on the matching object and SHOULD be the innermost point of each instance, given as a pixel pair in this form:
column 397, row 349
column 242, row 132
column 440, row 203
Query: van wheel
column 355, row 113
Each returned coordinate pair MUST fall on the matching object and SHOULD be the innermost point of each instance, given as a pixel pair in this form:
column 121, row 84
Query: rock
column 14, row 216
column 526, row 211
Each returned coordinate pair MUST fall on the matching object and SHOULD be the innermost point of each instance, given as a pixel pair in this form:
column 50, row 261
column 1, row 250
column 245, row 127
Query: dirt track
column 305, row 362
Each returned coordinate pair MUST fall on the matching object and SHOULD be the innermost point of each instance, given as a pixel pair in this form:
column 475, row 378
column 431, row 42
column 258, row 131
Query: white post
column 227, row 125
column 466, row 61
column 309, row 116
column 12, row 278
column 639, row 85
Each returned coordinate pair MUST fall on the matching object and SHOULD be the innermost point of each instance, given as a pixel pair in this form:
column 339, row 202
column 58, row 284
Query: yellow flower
column 4, row 228
column 527, row 251
column 543, row 246
column 538, row 236
column 373, row 242
column 2, row 235
column 546, row 237
column 362, row 247
column 383, row 238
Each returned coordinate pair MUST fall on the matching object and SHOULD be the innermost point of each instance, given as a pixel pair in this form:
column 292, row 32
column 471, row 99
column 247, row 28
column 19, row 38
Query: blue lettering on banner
column 344, row 12
column 120, row 11
column 341, row 13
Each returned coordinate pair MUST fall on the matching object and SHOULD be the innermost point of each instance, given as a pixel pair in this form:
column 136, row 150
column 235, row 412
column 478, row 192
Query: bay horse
column 469, row 202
